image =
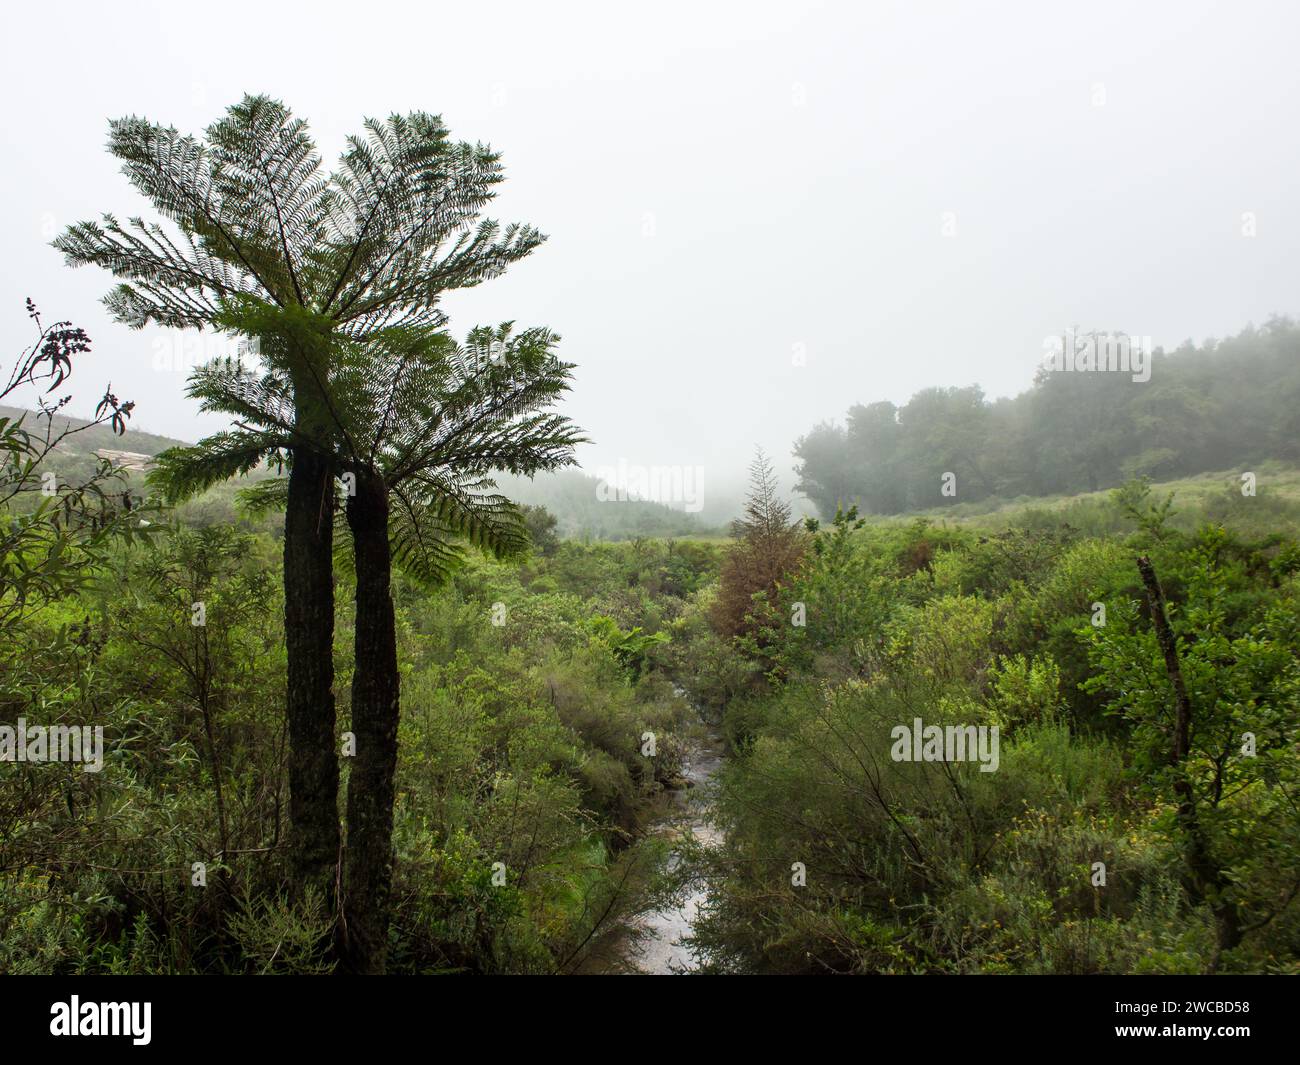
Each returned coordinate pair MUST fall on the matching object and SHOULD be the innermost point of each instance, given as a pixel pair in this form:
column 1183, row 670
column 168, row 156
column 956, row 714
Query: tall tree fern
column 249, row 220
column 420, row 423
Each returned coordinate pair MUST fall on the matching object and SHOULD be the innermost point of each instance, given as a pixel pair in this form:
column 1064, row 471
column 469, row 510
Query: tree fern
column 256, row 238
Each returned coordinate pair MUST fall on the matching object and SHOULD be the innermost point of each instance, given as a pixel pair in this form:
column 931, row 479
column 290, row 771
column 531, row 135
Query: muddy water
column 658, row 950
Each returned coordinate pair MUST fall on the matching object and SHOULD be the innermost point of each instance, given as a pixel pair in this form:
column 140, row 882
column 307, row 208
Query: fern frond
column 182, row 472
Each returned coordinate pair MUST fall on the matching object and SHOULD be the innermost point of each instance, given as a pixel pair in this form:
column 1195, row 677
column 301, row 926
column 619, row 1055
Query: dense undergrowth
column 1077, row 855
column 529, row 692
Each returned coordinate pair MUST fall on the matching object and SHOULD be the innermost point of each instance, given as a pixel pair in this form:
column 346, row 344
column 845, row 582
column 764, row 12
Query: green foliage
column 629, row 648
column 1133, row 498
column 1238, row 658
column 541, row 524
column 54, row 531
column 519, row 743
column 937, row 867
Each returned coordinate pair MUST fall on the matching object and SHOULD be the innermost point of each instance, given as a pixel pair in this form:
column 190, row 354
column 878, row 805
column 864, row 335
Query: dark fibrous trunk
column 309, row 644
column 375, row 706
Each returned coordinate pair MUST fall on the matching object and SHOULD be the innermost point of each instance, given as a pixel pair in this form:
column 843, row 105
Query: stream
column 659, row 950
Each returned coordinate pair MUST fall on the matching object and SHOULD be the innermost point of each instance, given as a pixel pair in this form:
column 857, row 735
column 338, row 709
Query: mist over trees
column 429, row 718
column 1204, row 408
column 438, row 646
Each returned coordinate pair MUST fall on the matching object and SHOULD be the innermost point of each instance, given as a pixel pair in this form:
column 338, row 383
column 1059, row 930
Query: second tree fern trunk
column 375, row 707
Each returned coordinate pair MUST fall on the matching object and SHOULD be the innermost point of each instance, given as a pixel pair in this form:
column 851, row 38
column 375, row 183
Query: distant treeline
column 1217, row 406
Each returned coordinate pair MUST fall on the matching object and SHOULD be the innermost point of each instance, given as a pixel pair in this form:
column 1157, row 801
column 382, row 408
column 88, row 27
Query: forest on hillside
column 1199, row 408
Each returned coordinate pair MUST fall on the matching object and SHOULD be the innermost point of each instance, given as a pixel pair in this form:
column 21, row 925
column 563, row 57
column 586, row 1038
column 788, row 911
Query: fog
column 759, row 214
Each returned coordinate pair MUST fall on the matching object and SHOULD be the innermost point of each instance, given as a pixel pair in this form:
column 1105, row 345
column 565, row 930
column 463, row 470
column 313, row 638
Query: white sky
column 796, row 161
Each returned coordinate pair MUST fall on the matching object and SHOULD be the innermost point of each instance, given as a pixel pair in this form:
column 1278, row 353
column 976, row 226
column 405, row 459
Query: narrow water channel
column 659, row 948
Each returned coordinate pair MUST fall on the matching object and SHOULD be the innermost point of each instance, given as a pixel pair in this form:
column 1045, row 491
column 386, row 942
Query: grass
column 1205, row 497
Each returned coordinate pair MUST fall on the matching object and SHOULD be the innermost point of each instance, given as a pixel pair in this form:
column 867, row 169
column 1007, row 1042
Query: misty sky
column 722, row 183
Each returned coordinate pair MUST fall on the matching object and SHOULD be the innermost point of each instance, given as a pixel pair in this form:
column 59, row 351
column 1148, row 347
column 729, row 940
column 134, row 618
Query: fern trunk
column 375, row 709
column 309, row 645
